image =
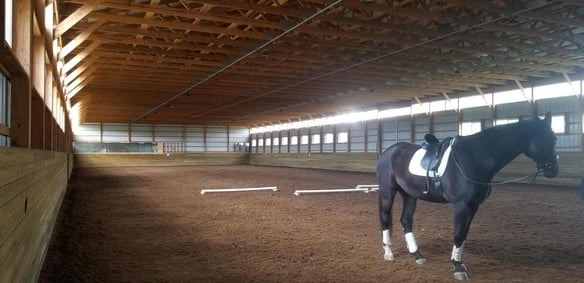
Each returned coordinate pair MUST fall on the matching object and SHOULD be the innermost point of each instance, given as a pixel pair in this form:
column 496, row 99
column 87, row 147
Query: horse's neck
column 499, row 149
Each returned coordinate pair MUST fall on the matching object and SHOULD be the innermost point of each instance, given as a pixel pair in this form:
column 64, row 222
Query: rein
column 494, row 183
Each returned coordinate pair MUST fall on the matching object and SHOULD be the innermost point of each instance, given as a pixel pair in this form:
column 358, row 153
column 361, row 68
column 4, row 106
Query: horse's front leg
column 463, row 215
column 407, row 221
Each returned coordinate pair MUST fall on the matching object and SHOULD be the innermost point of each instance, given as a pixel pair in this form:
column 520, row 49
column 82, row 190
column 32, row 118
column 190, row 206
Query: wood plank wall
column 571, row 165
column 83, row 160
column 32, row 185
column 345, row 161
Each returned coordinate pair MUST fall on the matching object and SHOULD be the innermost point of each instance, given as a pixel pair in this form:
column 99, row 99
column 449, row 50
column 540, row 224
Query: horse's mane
column 501, row 129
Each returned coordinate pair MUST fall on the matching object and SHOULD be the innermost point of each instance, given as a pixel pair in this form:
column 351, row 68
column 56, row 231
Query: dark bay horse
column 466, row 181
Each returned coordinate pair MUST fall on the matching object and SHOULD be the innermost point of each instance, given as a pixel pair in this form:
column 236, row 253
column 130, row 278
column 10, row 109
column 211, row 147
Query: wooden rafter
column 359, row 54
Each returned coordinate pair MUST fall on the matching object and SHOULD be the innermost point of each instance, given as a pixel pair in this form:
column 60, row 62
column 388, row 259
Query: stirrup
column 426, row 189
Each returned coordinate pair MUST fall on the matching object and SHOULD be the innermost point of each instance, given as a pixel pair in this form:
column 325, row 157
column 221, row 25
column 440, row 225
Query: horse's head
column 542, row 147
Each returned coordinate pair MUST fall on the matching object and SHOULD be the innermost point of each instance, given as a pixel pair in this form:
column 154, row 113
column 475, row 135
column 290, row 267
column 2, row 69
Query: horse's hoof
column 421, row 261
column 388, row 257
column 460, row 271
column 461, row 275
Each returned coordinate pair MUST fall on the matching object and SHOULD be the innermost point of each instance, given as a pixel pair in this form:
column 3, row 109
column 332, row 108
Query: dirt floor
column 146, row 224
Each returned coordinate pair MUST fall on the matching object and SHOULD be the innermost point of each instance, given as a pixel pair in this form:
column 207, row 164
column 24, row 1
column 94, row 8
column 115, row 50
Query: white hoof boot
column 460, row 271
column 461, row 275
column 388, row 254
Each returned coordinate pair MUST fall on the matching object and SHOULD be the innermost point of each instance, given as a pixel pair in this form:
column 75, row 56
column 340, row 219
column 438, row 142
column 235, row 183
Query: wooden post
column 349, row 138
column 321, row 139
column 366, row 136
column 335, row 138
column 20, row 114
column 228, row 139
column 288, row 143
column 378, row 145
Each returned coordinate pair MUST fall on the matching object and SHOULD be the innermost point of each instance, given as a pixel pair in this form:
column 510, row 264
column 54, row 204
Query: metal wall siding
column 168, row 133
column 445, row 117
column 195, row 131
column 141, row 133
column 114, row 132
column 569, row 143
column 357, row 147
column 445, row 124
column 303, row 148
column 342, row 147
column 357, row 128
column 388, row 133
column 217, row 139
column 191, row 136
column 513, row 110
column 238, row 134
column 315, row 148
column 327, row 147
column 195, row 138
column 558, row 105
column 476, row 114
column 372, row 133
column 342, row 128
column 357, row 137
column 421, row 127
column 88, row 132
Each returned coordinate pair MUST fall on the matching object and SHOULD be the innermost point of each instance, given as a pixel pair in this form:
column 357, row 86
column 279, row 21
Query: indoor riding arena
column 259, row 140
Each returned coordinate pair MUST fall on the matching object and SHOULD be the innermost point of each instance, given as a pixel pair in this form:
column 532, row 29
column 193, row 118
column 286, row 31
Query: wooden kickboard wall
column 32, row 186
column 83, row 160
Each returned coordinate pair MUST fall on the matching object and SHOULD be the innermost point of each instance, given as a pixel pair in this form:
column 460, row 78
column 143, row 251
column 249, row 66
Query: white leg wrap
column 387, row 253
column 411, row 242
column 386, row 238
column 457, row 253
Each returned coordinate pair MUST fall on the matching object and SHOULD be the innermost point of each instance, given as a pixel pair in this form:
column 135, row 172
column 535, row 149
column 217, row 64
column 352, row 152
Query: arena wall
column 32, row 186
column 83, row 160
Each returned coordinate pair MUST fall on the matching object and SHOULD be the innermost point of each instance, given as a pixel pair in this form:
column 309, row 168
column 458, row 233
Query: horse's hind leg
column 407, row 221
column 386, row 197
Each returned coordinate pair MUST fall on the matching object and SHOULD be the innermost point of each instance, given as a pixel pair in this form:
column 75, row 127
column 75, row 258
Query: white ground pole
column 238, row 190
column 371, row 188
column 358, row 188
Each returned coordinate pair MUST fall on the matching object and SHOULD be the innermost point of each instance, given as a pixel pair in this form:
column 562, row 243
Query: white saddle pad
column 416, row 163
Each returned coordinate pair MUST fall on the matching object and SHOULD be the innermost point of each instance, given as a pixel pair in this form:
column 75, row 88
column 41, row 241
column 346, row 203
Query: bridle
column 542, row 166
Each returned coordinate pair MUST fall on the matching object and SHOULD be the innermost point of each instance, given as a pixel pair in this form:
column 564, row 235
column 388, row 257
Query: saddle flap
column 434, row 153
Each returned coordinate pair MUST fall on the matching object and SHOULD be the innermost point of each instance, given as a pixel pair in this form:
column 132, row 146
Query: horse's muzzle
column 549, row 169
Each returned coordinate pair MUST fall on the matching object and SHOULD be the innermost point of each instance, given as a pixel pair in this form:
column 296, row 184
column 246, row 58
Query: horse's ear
column 548, row 118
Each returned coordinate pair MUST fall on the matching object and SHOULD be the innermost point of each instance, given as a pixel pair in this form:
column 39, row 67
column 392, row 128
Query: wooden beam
column 480, row 91
column 81, row 78
column 176, row 25
column 77, row 71
column 75, row 17
column 520, row 86
column 193, row 14
column 80, row 38
column 75, row 91
column 79, row 57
